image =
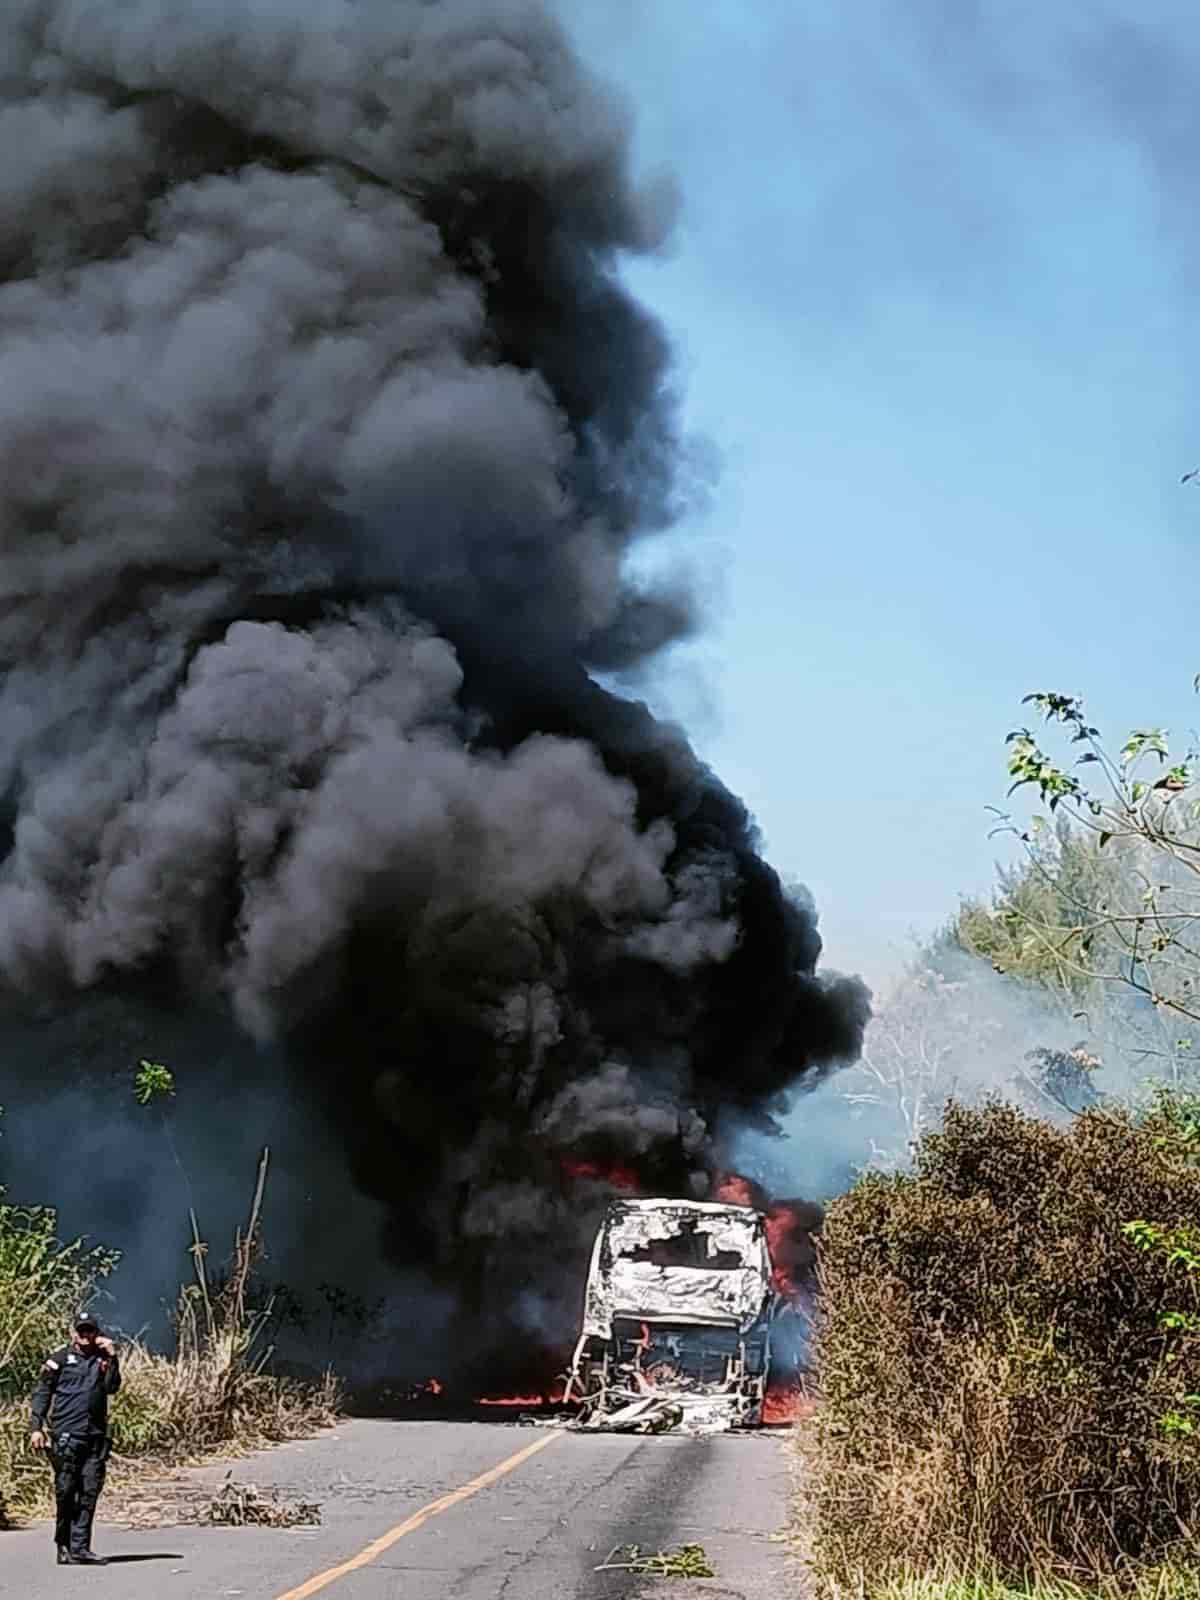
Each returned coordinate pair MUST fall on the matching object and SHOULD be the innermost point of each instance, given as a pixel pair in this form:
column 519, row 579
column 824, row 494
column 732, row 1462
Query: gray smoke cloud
column 326, row 428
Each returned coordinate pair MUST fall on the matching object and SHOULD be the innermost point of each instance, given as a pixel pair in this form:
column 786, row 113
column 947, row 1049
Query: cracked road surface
column 417, row 1511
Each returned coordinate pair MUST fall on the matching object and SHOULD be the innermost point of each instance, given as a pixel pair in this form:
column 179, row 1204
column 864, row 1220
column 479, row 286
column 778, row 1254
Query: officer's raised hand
column 38, row 1439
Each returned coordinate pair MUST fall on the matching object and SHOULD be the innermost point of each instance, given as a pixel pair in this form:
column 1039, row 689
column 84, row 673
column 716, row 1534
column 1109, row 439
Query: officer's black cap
column 87, row 1325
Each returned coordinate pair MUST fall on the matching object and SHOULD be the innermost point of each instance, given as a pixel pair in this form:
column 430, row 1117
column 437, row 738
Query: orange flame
column 623, row 1179
column 786, row 1233
column 423, row 1389
column 781, row 1229
column 550, row 1397
column 732, row 1189
column 785, row 1403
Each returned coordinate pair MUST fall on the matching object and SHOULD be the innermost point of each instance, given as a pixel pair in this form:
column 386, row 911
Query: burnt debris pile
column 326, row 429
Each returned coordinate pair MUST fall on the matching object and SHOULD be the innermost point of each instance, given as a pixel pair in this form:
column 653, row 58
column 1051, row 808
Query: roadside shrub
column 44, row 1284
column 998, row 1360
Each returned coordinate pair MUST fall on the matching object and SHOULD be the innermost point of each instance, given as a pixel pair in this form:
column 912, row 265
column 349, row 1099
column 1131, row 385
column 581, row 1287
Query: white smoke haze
column 327, row 434
column 954, row 1028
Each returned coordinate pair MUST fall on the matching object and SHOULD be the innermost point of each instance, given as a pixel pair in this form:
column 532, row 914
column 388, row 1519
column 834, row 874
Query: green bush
column 999, row 1358
column 43, row 1285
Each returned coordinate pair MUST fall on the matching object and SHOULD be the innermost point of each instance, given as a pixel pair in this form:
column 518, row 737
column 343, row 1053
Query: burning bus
column 677, row 1319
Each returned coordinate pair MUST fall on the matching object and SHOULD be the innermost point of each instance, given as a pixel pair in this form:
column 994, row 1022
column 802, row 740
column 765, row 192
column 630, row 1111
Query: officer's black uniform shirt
column 73, row 1391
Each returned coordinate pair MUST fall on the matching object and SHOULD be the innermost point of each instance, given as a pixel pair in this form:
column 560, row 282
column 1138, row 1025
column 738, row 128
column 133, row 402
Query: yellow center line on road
column 322, row 1580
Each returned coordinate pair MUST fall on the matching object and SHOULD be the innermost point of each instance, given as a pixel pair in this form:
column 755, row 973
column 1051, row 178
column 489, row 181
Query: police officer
column 72, row 1396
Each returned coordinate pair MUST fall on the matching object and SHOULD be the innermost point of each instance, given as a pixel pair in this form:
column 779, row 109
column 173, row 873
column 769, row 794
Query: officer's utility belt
column 70, row 1447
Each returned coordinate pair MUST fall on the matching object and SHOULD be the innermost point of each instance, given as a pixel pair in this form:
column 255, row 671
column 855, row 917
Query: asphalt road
column 443, row 1511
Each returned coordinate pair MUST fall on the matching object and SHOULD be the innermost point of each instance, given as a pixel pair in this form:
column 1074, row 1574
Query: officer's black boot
column 81, row 1553
column 64, row 1556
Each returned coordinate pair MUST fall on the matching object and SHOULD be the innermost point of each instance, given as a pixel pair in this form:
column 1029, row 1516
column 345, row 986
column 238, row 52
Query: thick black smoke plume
column 326, row 428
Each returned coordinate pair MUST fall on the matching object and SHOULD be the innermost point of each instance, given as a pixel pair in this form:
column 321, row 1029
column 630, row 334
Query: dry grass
column 172, row 1412
column 1164, row 1584
column 214, row 1396
column 994, row 1371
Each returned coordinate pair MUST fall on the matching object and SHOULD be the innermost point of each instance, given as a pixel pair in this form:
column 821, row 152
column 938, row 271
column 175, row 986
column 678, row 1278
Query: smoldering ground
column 326, row 428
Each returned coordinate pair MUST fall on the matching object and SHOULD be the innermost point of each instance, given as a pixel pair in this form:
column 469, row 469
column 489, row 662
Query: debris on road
column 677, row 1320
column 243, row 1505
column 688, row 1561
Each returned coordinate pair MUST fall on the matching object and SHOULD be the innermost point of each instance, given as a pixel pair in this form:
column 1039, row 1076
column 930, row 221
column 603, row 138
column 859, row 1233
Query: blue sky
column 933, row 295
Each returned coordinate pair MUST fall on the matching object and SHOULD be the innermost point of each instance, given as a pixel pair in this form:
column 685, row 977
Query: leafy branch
column 153, row 1082
column 688, row 1561
column 1136, row 921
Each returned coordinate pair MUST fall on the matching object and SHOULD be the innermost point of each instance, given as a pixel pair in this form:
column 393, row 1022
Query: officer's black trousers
column 79, row 1469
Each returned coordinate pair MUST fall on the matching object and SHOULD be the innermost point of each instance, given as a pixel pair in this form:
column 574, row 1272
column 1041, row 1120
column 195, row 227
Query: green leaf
column 153, row 1081
column 1143, row 741
column 1177, row 778
column 1145, row 1235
